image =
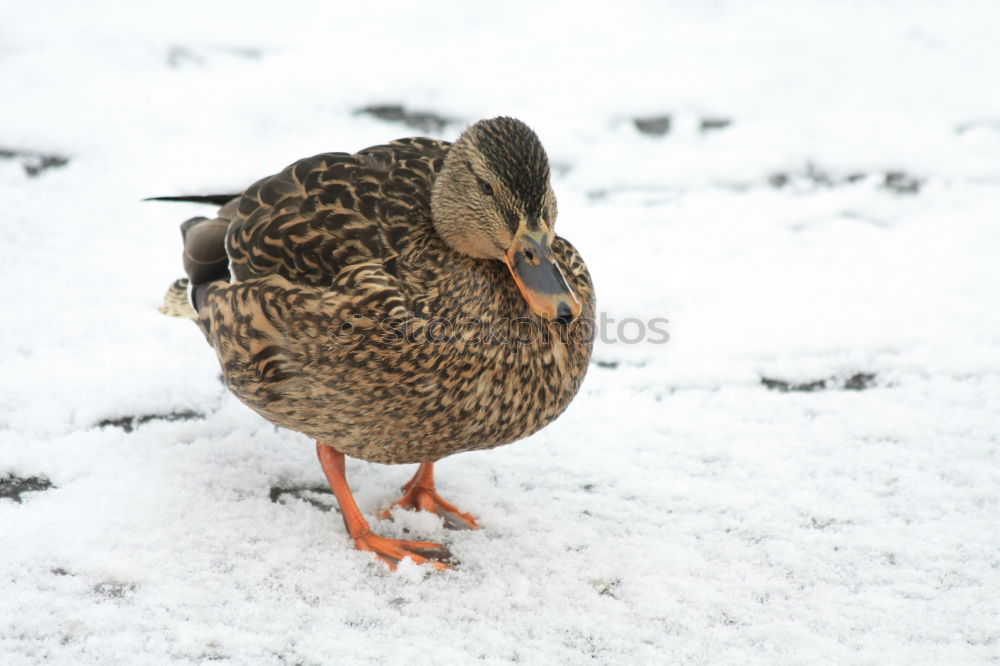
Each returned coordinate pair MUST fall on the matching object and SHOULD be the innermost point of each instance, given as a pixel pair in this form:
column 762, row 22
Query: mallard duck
column 398, row 305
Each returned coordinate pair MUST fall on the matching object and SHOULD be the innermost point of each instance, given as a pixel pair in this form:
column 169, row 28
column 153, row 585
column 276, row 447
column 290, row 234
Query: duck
column 398, row 305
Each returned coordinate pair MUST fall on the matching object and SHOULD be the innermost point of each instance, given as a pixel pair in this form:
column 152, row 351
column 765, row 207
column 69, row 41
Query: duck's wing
column 334, row 222
column 325, row 213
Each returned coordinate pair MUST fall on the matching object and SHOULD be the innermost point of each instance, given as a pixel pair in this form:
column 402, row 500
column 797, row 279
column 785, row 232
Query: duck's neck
column 477, row 289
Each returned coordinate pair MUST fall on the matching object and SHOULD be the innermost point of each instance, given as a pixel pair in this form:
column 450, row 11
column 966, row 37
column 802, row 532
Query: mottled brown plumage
column 362, row 299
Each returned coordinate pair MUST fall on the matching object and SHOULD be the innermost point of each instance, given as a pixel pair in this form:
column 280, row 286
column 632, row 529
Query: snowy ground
column 807, row 472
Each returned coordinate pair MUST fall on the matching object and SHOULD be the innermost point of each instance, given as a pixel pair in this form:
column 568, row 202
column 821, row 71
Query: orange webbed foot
column 393, row 551
column 420, row 495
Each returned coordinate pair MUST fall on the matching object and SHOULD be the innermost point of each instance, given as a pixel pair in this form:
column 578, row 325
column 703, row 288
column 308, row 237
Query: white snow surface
column 681, row 511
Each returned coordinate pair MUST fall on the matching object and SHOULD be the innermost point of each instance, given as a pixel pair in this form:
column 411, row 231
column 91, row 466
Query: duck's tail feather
column 214, row 199
column 175, row 301
column 205, row 262
column 205, row 258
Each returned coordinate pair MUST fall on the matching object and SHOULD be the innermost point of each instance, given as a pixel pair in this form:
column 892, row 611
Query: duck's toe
column 426, row 499
column 394, row 551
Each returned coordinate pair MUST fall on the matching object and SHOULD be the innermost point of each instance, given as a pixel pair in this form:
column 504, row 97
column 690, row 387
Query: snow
column 680, row 511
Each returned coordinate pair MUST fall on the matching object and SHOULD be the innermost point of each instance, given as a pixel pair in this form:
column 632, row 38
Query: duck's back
column 324, row 213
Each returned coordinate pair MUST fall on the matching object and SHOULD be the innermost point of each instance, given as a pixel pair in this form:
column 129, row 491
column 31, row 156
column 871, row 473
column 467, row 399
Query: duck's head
column 493, row 199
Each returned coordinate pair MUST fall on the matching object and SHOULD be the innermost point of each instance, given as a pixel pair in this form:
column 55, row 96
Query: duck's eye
column 486, row 188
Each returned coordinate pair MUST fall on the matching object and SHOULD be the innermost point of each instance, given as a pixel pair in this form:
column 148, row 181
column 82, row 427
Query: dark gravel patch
column 129, row 423
column 34, row 162
column 859, row 381
column 815, row 177
column 278, row 493
column 715, row 124
column 425, row 121
column 901, row 182
column 614, row 365
column 653, row 125
column 11, row 487
column 662, row 125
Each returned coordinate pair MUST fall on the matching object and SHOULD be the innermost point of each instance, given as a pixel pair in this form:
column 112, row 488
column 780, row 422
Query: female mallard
column 363, row 300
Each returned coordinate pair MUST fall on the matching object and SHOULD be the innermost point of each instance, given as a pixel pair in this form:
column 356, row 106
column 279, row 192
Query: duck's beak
column 539, row 277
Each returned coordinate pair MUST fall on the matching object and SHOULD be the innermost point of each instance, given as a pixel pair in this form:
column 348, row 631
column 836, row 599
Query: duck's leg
column 419, row 494
column 390, row 551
